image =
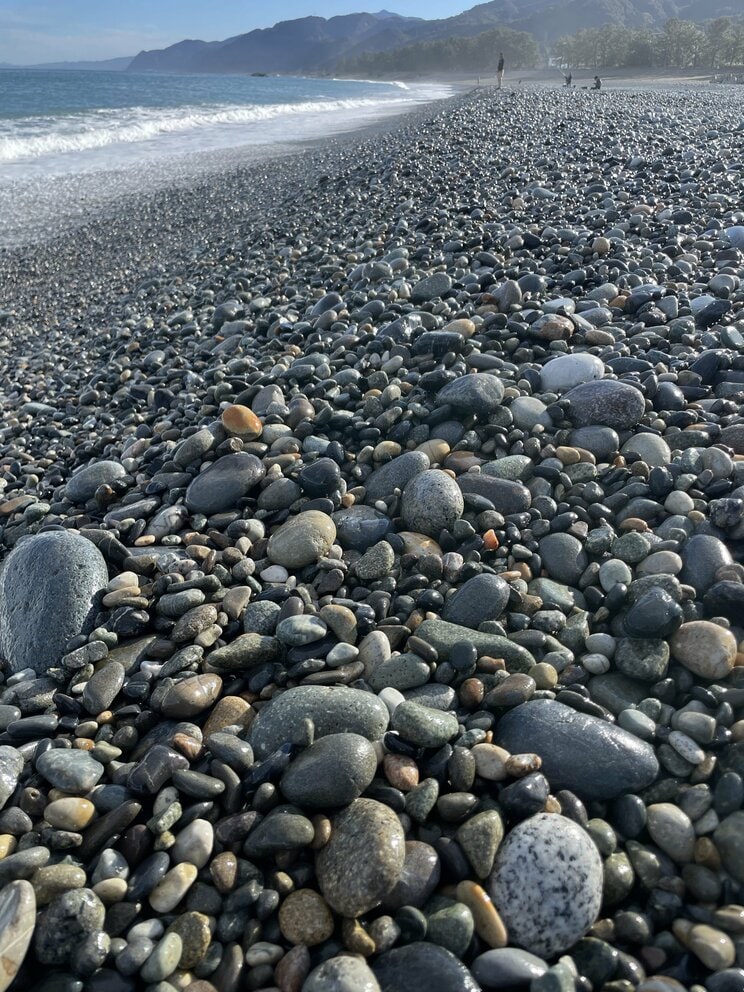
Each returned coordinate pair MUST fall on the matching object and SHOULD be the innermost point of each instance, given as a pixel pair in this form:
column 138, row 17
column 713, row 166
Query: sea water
column 70, row 141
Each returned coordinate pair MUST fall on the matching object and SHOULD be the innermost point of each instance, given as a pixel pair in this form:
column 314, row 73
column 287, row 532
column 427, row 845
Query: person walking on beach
column 500, row 71
column 597, row 83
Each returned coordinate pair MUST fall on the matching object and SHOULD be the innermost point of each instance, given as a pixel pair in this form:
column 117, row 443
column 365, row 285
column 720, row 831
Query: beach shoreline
column 372, row 564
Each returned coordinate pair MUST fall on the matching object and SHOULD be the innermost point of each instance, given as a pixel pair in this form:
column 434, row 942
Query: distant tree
column 476, row 54
column 678, row 44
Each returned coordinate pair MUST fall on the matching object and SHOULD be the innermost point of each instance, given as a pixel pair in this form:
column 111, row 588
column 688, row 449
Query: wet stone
column 224, row 483
column 49, row 588
column 70, row 770
column 363, row 859
column 332, row 710
column 478, row 393
column 333, row 771
column 588, row 756
column 419, row 967
column 607, row 403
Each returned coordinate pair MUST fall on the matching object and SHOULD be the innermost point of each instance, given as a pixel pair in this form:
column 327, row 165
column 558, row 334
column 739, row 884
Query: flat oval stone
column 547, row 883
column 507, row 497
column 363, row 859
column 103, row 687
column 606, row 402
column 360, row 527
column 566, row 371
column 394, row 474
column 705, row 648
column 702, row 556
column 17, row 922
column 302, row 540
column 508, row 968
column 480, row 393
column 224, row 483
column 333, row 771
column 49, row 590
column 443, row 635
column 484, row 597
column 333, row 710
column 83, row 484
column 581, row 753
column 422, row 967
column 191, row 696
column 423, row 726
column 69, row 769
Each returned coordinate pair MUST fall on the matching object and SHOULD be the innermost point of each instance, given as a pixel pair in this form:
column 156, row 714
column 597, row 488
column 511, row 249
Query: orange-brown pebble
column 228, row 711
column 489, row 664
column 188, row 746
column 488, row 924
column 305, row 918
column 568, row 456
column 401, row 772
column 224, row 871
column 356, row 939
column 242, row 421
column 70, row 813
column 290, row 973
column 519, row 765
column 490, row 540
column 196, row 934
column 634, row 523
column 471, row 693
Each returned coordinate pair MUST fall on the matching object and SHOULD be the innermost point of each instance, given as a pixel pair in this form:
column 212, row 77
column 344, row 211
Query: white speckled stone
column 547, row 884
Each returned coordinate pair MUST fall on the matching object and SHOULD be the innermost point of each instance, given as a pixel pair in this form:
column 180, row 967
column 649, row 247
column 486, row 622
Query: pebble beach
column 371, row 583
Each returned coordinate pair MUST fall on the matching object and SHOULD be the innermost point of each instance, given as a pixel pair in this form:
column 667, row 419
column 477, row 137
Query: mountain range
column 317, row 44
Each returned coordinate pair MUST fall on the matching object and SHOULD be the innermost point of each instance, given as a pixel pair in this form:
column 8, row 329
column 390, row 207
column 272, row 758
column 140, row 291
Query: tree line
column 477, row 54
column 677, row 44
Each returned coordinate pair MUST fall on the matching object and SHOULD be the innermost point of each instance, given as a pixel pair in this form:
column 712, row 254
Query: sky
column 33, row 31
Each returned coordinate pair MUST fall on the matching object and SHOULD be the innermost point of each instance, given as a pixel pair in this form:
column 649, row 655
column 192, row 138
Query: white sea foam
column 57, row 171
column 98, row 129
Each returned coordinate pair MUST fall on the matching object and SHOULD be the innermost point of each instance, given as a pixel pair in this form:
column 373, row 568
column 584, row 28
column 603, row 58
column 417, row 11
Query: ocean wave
column 101, row 129
column 397, row 83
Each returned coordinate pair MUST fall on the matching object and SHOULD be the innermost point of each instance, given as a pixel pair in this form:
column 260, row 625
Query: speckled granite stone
column 547, row 883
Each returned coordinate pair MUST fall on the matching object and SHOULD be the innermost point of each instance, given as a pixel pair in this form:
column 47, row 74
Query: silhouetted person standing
column 597, row 83
column 500, row 71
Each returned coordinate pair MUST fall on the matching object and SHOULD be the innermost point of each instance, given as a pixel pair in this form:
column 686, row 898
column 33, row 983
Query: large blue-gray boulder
column 49, row 591
column 591, row 757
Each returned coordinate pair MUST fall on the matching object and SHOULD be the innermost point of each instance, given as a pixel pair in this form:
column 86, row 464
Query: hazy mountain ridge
column 109, row 65
column 317, row 44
